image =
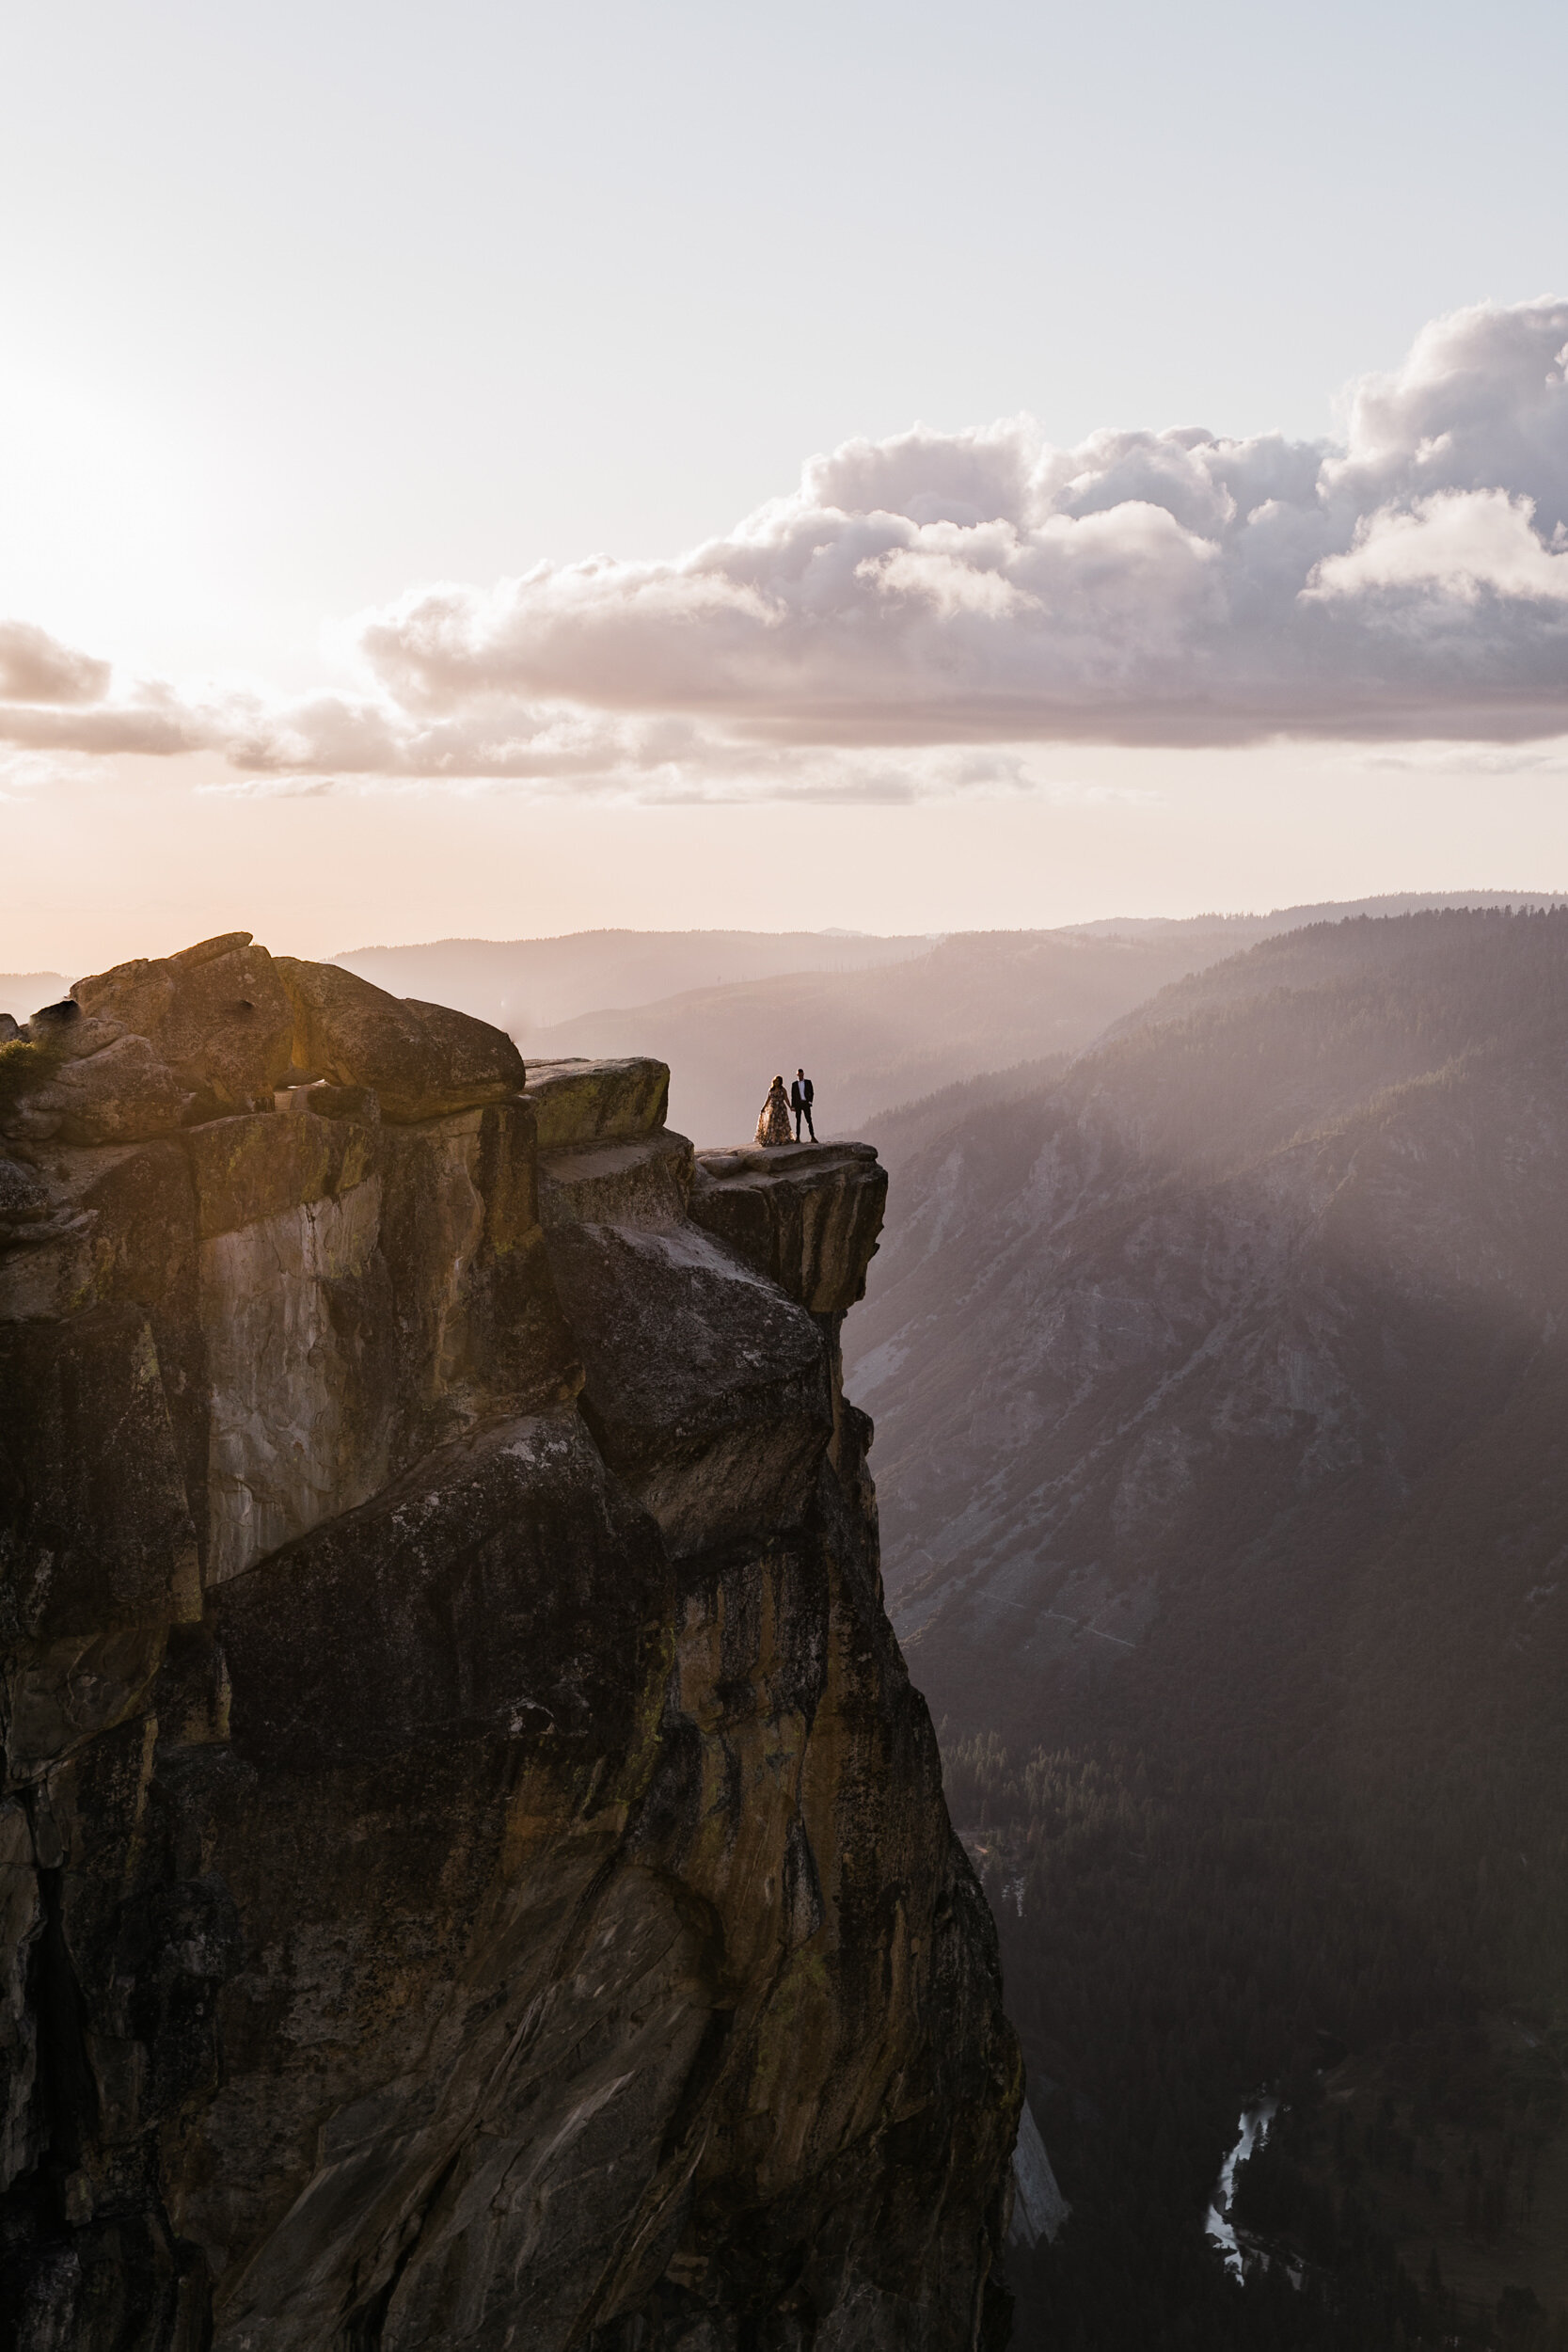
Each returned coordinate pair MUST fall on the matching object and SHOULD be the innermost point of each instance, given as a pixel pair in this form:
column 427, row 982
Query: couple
column 773, row 1126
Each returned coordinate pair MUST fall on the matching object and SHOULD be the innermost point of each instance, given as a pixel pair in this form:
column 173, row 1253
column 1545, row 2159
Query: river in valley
column 1252, row 2130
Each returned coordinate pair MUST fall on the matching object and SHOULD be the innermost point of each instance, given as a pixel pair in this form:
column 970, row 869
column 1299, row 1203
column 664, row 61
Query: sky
column 502, row 470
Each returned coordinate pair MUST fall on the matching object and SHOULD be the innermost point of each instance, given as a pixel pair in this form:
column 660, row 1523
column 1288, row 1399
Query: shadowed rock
column 707, row 1389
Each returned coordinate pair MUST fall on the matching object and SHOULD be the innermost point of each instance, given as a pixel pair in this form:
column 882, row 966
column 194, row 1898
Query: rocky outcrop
column 576, row 1103
column 420, row 1059
column 216, row 1014
column 808, row 1218
column 472, row 1868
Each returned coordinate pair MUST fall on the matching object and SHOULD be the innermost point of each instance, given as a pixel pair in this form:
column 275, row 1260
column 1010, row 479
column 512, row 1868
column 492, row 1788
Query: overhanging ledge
column 806, row 1216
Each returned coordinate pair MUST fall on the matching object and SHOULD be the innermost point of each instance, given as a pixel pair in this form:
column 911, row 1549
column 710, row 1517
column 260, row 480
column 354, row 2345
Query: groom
column 800, row 1095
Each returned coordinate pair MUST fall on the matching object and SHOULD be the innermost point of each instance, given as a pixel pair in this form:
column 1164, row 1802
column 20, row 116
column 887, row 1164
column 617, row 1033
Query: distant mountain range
column 22, row 992
column 976, row 1002
column 529, row 984
column 724, row 1005
column 876, row 1021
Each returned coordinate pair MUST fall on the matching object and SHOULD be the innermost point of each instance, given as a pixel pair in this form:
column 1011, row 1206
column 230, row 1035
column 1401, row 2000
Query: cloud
column 983, row 588
column 36, row 668
column 23, row 773
column 1175, row 587
column 159, row 728
column 1455, row 547
column 54, row 699
column 1466, row 759
column 271, row 789
column 659, row 759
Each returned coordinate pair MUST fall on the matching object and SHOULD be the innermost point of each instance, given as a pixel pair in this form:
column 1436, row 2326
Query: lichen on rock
column 473, row 1869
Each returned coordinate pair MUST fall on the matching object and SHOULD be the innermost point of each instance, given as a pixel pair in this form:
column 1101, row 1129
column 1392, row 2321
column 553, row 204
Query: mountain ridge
column 1219, row 1383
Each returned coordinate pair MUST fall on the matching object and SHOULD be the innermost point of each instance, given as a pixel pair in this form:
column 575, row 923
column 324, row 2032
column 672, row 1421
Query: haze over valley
column 881, row 1022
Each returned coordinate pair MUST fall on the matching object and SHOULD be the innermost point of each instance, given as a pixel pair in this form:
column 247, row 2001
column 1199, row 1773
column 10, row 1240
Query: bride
column 773, row 1126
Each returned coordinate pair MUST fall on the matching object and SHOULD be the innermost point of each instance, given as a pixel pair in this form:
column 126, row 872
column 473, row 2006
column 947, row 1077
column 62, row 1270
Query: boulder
column 58, row 1016
column 421, row 1060
column 66, row 1033
column 476, row 1060
column 597, row 1101
column 216, row 1014
column 122, row 1093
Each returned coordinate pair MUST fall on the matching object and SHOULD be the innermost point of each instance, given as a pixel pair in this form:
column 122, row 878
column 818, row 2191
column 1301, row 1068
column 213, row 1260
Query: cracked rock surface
column 473, row 1870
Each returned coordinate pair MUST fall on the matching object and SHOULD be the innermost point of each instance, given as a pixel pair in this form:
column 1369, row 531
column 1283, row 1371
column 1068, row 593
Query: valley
column 1219, row 1389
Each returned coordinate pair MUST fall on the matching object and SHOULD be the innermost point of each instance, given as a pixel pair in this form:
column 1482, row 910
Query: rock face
column 472, row 1868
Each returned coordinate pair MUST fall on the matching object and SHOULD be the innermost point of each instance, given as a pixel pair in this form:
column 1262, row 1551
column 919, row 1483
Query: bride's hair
column 778, row 1078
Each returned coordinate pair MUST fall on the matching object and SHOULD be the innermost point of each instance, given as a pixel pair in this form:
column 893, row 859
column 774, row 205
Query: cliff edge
column 473, row 1871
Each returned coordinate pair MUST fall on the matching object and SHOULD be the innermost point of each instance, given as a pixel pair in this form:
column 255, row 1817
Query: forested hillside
column 1221, row 1386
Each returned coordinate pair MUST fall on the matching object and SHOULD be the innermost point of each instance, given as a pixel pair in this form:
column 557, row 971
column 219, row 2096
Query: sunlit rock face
column 472, row 1869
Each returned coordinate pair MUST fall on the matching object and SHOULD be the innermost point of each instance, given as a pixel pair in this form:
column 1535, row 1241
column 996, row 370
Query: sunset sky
column 508, row 469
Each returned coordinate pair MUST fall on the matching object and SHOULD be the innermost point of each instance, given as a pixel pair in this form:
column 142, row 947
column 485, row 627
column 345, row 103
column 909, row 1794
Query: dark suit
column 801, row 1094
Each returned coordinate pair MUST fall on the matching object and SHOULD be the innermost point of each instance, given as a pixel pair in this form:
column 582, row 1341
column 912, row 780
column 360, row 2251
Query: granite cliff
column 473, row 1870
